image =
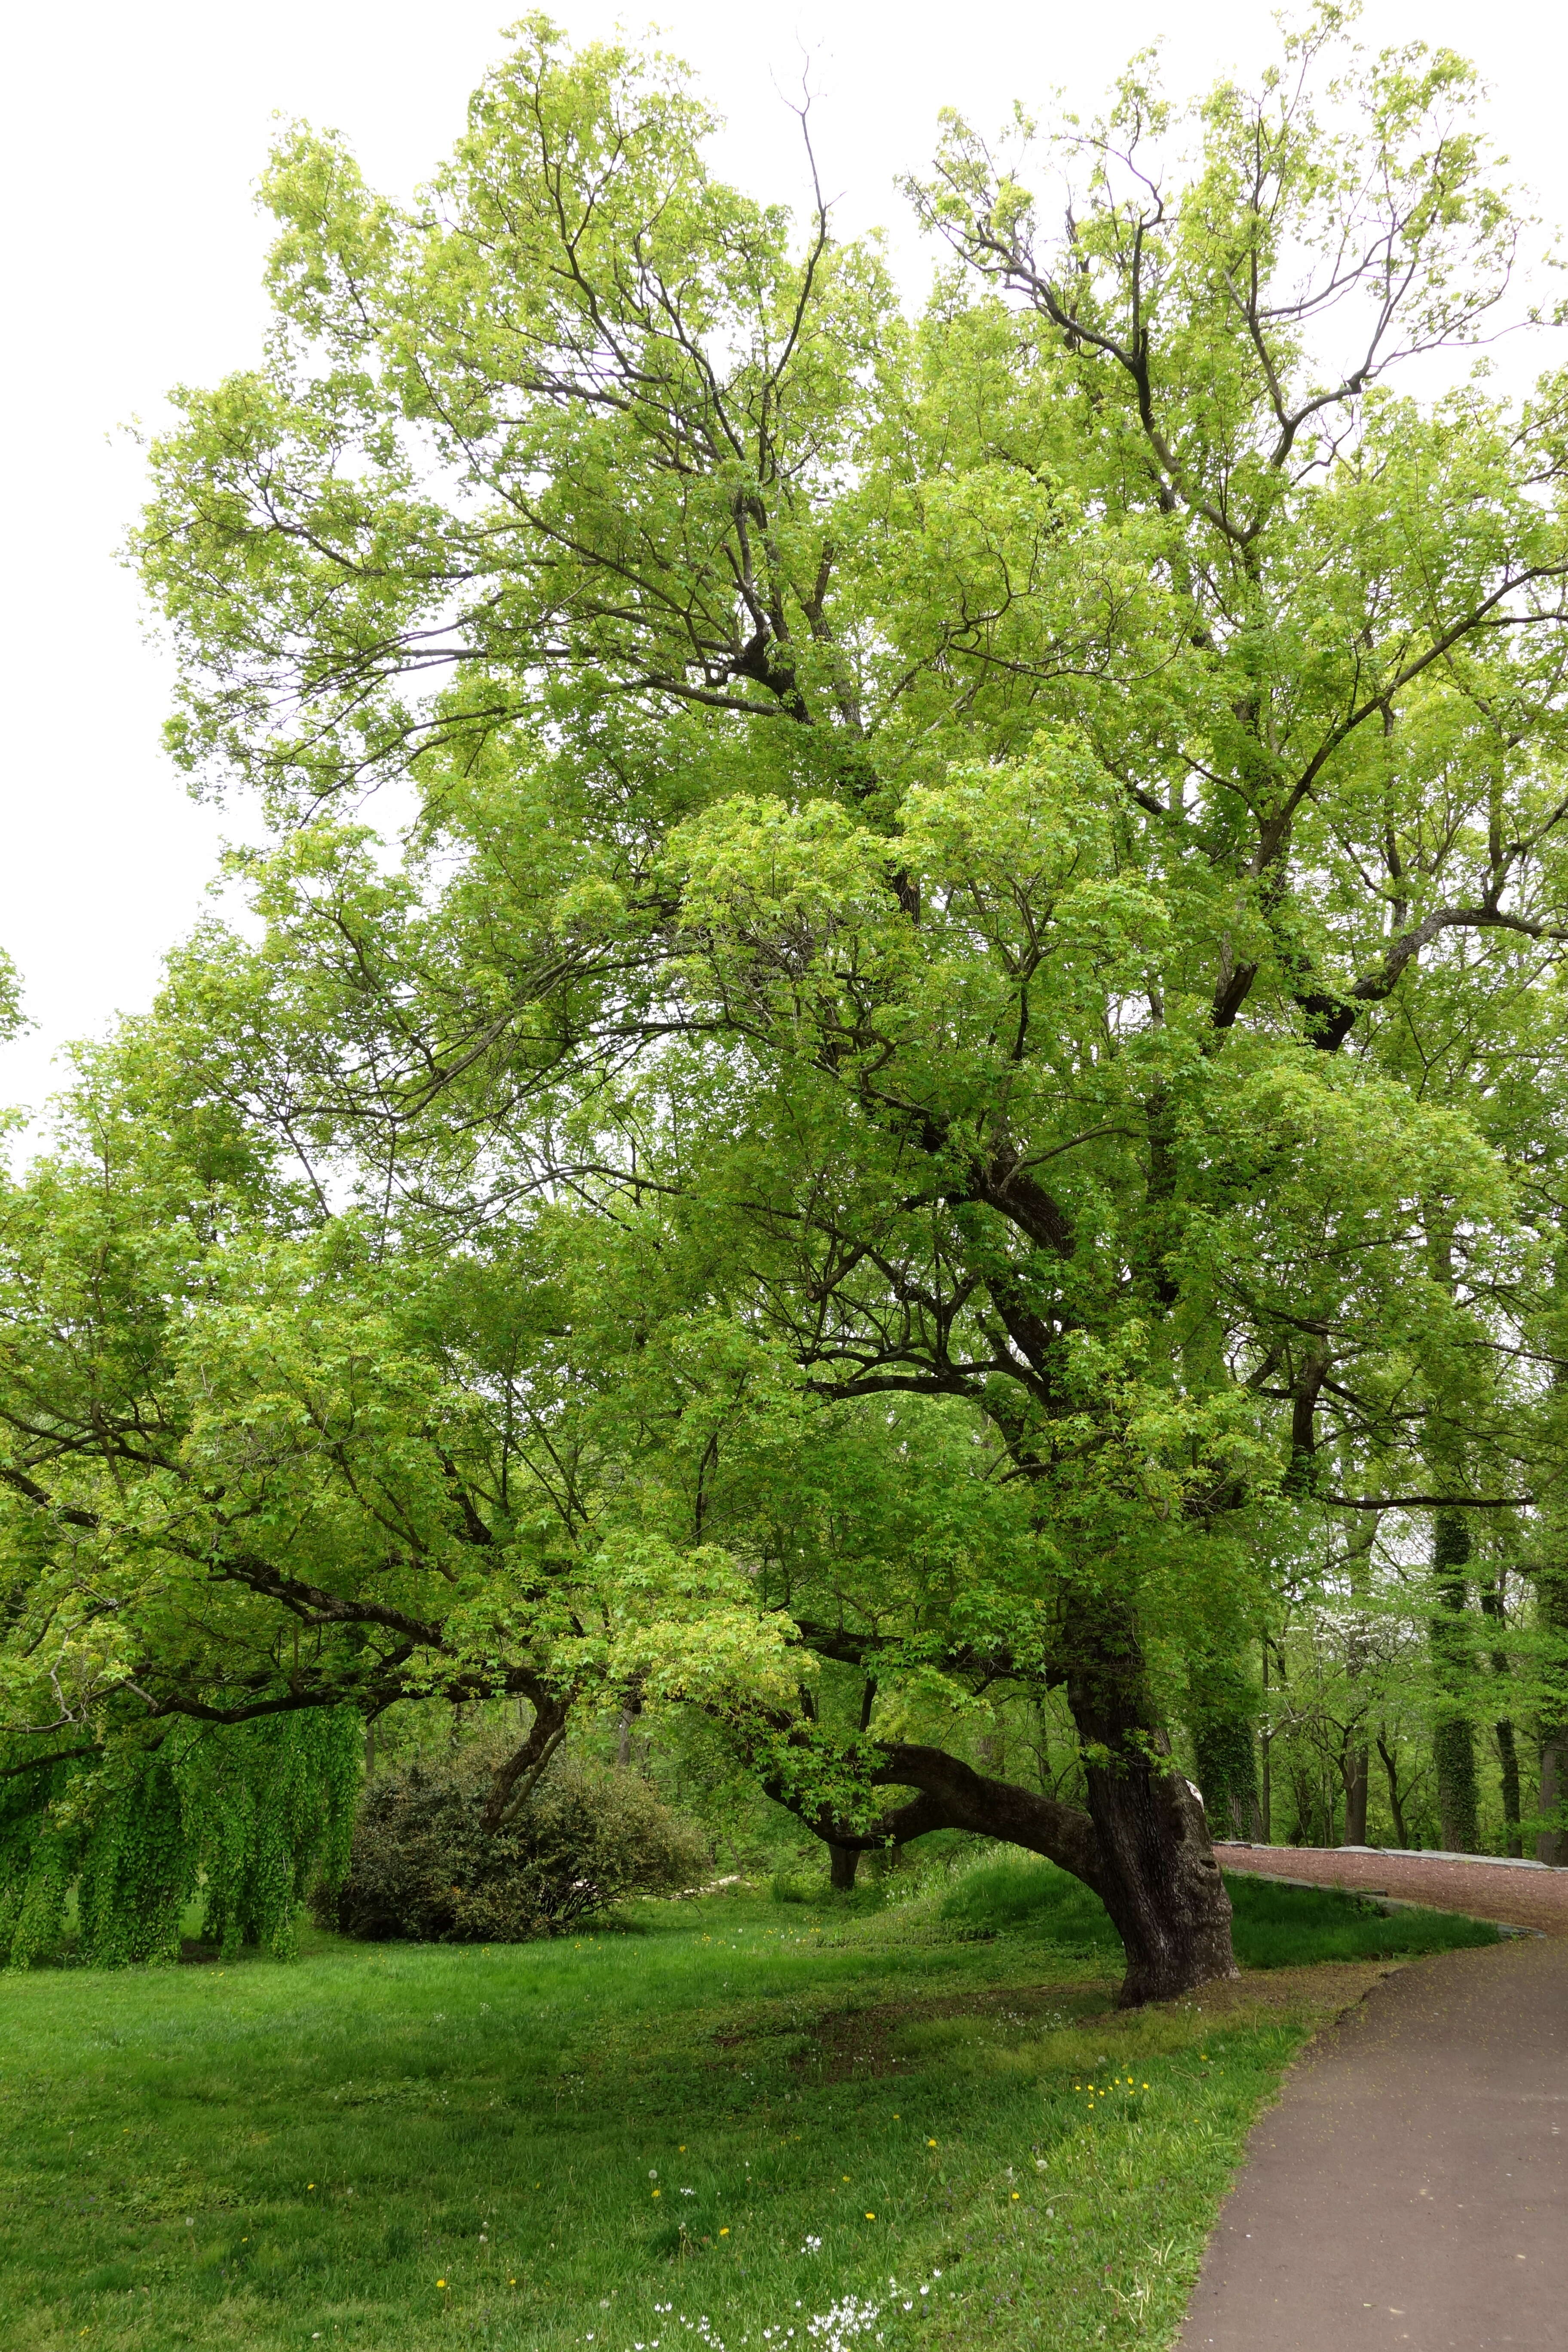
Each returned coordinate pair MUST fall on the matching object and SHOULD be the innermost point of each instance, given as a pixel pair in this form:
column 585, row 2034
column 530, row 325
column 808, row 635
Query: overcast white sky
column 130, row 137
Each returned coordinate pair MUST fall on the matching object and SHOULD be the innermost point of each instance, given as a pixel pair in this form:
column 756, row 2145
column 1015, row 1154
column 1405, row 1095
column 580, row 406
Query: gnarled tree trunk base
column 1160, row 1882
column 1143, row 1847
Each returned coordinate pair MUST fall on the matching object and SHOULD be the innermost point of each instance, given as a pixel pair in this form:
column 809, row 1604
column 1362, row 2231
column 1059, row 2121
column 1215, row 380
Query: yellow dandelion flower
column 870, row 2217
column 723, row 2233
column 440, row 2282
column 1015, row 2196
column 844, row 2176
column 930, row 2143
column 656, row 2192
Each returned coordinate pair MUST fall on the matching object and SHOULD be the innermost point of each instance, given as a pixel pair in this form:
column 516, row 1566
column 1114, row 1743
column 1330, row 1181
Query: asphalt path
column 1411, row 2185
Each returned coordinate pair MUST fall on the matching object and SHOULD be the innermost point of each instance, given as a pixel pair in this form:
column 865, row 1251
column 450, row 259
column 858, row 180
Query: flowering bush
column 424, row 1865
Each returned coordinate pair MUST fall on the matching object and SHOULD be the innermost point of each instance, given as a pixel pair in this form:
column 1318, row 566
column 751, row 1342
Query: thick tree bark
column 844, row 1860
column 1157, row 1874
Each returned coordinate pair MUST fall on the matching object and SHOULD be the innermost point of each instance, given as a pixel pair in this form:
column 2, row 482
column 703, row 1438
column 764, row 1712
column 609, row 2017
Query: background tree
column 923, row 834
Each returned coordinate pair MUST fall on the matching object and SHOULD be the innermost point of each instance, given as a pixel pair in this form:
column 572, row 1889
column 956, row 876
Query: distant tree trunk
column 1494, row 1604
column 843, row 1863
column 1357, row 1781
column 1265, row 1743
column 1391, row 1773
column 1041, row 1743
column 1454, row 1736
column 629, row 1714
column 1551, row 1629
column 1552, row 1843
column 1222, row 1708
column 1551, row 1608
column 1356, row 1768
column 1508, row 1764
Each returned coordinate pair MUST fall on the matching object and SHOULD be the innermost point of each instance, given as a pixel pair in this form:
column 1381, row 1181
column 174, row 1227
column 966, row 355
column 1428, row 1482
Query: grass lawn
column 737, row 2126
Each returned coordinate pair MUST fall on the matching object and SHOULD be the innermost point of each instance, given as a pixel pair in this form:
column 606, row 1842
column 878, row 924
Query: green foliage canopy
column 966, row 881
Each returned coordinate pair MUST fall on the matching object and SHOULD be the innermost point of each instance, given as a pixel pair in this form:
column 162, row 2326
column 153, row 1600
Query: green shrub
column 424, row 1866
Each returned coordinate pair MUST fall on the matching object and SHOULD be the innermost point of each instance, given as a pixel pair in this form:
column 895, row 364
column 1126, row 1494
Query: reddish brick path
column 1484, row 1890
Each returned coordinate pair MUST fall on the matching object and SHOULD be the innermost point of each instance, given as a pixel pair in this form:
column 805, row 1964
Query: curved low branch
column 953, row 1795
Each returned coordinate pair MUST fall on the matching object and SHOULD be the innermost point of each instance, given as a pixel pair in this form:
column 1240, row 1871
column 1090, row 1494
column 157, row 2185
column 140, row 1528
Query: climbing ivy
column 244, row 1816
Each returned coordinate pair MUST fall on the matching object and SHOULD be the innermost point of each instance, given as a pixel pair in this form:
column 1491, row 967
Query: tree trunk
column 1454, row 1736
column 1356, row 1768
column 1494, row 1605
column 1391, row 1772
column 515, row 1779
column 1143, row 1846
column 1356, row 1786
column 1508, row 1761
column 844, row 1860
column 1222, row 1710
column 1551, row 1607
column 1155, row 1867
column 1552, row 1843
column 1159, row 1881
column 1266, row 1742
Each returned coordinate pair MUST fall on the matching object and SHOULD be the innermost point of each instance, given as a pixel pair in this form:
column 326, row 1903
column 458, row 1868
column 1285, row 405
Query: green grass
column 1273, row 1927
column 402, row 2148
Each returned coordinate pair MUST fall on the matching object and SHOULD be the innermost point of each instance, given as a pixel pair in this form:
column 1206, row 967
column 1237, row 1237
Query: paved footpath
column 1486, row 1890
column 1411, row 2186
